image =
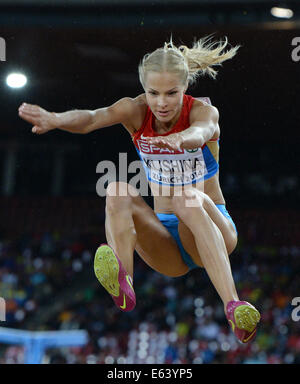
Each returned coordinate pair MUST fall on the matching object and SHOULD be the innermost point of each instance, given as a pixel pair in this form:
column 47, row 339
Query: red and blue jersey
column 174, row 168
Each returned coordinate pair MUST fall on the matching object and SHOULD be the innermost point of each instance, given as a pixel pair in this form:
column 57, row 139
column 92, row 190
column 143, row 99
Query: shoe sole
column 106, row 268
column 246, row 318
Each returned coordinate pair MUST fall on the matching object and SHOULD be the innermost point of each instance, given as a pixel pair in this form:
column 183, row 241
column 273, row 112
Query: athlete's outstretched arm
column 76, row 121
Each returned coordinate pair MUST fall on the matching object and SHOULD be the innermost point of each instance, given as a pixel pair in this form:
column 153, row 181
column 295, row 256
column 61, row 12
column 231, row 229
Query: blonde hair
column 188, row 63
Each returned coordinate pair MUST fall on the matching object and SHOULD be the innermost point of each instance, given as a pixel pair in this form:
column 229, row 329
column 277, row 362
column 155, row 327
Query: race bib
column 170, row 167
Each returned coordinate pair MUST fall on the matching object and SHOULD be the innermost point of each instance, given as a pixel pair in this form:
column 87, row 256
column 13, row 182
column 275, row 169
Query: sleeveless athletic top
column 174, row 168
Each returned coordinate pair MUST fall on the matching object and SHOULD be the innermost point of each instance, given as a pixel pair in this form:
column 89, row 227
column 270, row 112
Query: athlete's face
column 164, row 94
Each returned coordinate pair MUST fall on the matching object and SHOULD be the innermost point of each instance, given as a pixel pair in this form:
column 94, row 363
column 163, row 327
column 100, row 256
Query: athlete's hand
column 173, row 141
column 42, row 120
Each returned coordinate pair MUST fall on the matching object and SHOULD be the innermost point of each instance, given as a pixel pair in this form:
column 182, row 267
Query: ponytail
column 203, row 55
column 190, row 63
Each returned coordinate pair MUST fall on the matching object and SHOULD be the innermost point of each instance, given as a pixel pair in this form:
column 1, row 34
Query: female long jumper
column 177, row 138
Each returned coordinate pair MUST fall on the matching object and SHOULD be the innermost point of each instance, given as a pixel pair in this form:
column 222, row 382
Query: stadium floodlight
column 284, row 13
column 16, row 80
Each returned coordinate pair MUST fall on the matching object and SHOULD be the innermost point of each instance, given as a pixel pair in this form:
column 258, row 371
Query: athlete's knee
column 120, row 195
column 120, row 188
column 116, row 197
column 190, row 198
column 231, row 244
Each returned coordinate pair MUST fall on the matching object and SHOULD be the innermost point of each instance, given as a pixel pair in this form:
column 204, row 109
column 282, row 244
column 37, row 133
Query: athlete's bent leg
column 113, row 263
column 201, row 217
column 119, row 225
column 131, row 224
column 209, row 241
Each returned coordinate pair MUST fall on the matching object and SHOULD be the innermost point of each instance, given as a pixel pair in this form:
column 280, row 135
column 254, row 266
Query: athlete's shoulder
column 202, row 102
column 140, row 101
column 136, row 109
column 134, row 104
column 201, row 110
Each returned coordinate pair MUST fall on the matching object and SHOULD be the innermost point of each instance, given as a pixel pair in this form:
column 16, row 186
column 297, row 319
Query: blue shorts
column 170, row 221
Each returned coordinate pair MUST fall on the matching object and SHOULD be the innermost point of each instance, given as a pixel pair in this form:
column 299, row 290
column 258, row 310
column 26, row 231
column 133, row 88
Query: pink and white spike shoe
column 112, row 275
column 243, row 318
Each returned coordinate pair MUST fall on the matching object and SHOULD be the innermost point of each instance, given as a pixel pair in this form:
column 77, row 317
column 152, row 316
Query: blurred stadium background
column 84, row 55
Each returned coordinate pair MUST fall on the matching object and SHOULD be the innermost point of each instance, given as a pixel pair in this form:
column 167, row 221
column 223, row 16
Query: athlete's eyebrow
column 167, row 91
